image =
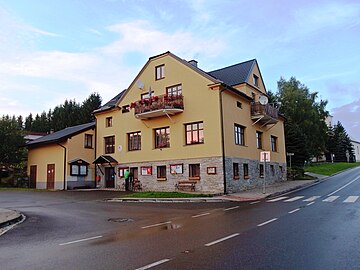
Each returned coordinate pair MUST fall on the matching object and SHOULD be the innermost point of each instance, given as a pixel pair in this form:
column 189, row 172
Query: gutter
column 222, row 138
column 64, row 188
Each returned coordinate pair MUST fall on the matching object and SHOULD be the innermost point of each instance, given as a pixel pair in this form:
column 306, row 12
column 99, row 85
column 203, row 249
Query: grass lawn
column 330, row 168
column 153, row 194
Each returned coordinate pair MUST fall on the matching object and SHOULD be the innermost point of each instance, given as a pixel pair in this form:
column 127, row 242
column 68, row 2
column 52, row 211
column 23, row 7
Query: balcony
column 158, row 106
column 264, row 114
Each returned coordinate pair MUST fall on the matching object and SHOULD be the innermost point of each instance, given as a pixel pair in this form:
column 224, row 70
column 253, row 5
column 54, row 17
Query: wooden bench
column 183, row 185
column 137, row 186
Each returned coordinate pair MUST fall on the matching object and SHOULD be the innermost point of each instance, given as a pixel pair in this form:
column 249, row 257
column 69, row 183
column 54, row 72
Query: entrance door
column 109, row 177
column 50, row 184
column 32, row 183
column 134, row 173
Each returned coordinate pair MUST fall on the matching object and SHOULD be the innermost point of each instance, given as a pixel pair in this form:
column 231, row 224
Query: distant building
column 356, row 145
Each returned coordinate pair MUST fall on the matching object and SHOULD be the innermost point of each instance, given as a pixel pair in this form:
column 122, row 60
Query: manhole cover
column 120, row 219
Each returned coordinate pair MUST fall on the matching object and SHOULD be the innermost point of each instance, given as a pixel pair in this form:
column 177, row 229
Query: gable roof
column 235, row 74
column 110, row 104
column 61, row 135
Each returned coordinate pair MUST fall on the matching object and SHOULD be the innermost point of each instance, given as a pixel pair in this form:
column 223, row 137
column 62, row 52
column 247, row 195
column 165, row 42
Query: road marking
column 344, row 186
column 277, row 199
column 330, row 199
column 81, row 240
column 267, row 222
column 293, row 211
column 310, row 203
column 200, row 215
column 294, row 199
column 351, row 199
column 255, row 202
column 153, row 264
column 231, row 208
column 155, row 225
column 221, row 240
column 313, row 198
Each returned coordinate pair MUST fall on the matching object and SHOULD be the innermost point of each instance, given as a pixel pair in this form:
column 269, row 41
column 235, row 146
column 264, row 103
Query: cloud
column 348, row 115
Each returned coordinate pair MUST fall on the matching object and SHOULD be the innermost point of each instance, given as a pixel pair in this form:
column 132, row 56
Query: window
column 159, row 72
column 194, row 171
column 109, row 144
column 78, row 170
column 273, row 143
column 272, row 169
column 236, row 171
column 261, row 167
column 194, row 133
column 175, row 90
column 256, row 80
column 147, row 95
column 161, row 172
column 125, row 109
column 239, row 104
column 108, row 122
column 246, row 170
column 162, row 137
column 134, row 141
column 239, row 134
column 259, row 139
column 146, row 170
column 88, row 143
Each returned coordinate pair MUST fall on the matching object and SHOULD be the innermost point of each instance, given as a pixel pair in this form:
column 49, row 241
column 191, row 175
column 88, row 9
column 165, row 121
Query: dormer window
column 159, row 72
column 256, row 80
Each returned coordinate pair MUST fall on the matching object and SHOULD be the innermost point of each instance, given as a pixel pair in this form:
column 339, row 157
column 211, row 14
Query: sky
column 55, row 50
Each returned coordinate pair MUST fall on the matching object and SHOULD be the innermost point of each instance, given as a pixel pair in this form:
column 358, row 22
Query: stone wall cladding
column 254, row 180
column 208, row 183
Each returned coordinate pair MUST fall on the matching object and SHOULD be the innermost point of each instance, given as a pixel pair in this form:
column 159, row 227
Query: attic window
column 239, row 104
column 256, row 80
column 159, row 72
column 125, row 109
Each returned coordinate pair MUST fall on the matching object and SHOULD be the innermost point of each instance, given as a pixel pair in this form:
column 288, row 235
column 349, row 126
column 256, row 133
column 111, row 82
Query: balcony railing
column 265, row 114
column 158, row 106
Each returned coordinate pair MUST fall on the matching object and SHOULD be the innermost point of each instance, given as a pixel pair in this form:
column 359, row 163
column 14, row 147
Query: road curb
column 16, row 217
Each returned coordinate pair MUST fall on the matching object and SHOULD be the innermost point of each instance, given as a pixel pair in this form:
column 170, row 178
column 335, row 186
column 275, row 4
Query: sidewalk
column 8, row 217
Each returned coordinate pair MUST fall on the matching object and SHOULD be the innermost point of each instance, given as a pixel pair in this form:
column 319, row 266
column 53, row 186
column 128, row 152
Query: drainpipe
column 64, row 164
column 95, row 148
column 222, row 137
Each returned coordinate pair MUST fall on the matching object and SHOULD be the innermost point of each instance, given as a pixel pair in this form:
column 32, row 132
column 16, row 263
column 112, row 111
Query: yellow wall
column 54, row 154
column 200, row 104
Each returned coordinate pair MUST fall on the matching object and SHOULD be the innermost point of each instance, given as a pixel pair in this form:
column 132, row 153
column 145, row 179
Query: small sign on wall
column 211, row 170
column 176, row 168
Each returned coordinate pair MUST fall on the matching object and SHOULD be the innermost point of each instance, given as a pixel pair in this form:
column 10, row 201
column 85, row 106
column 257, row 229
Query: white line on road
column 330, row 199
column 221, row 240
column 155, row 225
column 293, row 211
column 310, row 203
column 277, row 199
column 313, row 198
column 351, row 199
column 267, row 222
column 294, row 199
column 153, row 264
column 231, row 208
column 255, row 202
column 81, row 240
column 344, row 186
column 200, row 215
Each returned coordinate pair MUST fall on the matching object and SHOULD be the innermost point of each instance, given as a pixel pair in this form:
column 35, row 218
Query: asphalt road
column 315, row 228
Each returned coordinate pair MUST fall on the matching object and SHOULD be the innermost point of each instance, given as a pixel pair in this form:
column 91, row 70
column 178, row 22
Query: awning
column 78, row 161
column 105, row 160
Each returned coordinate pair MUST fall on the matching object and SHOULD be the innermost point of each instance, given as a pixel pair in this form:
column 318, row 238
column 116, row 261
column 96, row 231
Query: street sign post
column 264, row 157
column 290, row 155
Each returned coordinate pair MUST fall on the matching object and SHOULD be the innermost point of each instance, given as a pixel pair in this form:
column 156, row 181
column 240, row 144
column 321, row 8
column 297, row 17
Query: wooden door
column 134, row 172
column 109, row 177
column 50, row 184
column 32, row 183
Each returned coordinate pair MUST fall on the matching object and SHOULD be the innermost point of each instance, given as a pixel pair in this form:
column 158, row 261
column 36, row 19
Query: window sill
column 246, row 177
column 197, row 143
column 194, row 178
column 236, row 177
column 161, row 179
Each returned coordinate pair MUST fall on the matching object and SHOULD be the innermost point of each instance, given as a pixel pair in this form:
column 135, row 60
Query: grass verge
column 154, row 194
column 330, row 168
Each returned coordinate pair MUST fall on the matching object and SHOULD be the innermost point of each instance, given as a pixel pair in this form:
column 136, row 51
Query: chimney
column 194, row 63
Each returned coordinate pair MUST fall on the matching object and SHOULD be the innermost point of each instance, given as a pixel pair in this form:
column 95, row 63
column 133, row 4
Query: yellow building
column 178, row 126
column 63, row 159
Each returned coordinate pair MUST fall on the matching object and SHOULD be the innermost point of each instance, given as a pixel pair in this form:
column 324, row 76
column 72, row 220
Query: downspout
column 222, row 138
column 64, row 188
column 95, row 148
